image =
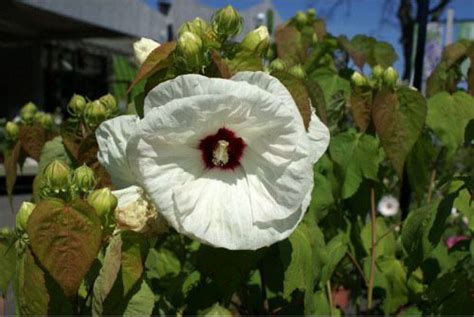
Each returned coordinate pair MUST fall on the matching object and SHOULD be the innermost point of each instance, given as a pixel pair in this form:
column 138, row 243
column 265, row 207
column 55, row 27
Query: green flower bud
column 45, row 119
column 199, row 27
column 278, row 65
column 190, row 50
column 377, row 72
column 28, row 112
column 297, row 71
column 257, row 41
column 227, row 22
column 23, row 214
column 12, row 130
column 83, row 179
column 76, row 105
column 109, row 102
column 311, row 14
column 301, row 19
column 359, row 80
column 56, row 179
column 390, row 77
column 103, row 201
column 95, row 113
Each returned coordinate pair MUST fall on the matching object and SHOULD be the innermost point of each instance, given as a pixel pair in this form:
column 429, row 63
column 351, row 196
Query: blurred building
column 50, row 49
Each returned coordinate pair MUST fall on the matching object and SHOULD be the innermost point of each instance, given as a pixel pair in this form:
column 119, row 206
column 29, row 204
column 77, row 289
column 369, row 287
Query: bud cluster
column 304, row 19
column 58, row 180
column 384, row 77
column 93, row 112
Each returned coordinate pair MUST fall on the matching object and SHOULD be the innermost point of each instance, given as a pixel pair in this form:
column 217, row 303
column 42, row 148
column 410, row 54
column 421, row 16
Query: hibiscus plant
column 291, row 173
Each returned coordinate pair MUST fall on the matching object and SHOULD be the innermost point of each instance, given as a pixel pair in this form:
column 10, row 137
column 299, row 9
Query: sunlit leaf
column 66, row 239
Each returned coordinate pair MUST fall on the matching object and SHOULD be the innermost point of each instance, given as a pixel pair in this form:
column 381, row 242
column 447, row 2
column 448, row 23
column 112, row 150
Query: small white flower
column 135, row 212
column 227, row 162
column 388, row 206
column 143, row 48
column 454, row 212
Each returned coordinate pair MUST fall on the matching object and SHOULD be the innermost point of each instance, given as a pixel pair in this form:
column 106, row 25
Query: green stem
column 329, row 291
column 374, row 247
column 265, row 305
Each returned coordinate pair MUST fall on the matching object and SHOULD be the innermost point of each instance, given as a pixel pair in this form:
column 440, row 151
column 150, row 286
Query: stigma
column 220, row 155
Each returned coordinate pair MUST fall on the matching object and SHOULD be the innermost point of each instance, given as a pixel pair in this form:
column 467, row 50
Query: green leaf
column 107, row 275
column 336, row 250
column 321, row 304
column 157, row 60
column 384, row 54
column 31, row 294
column 398, row 118
column 361, row 106
column 335, row 88
column 141, row 303
column 423, row 229
column 322, row 198
column 386, row 243
column 448, row 116
column 358, row 156
column 32, row 139
column 299, row 260
column 463, row 202
column 54, row 150
column 420, row 164
column 134, row 252
column 7, row 262
column 366, row 45
column 451, row 294
column 289, row 45
column 357, row 55
column 244, row 61
column 215, row 310
column 298, row 91
column 390, row 283
column 162, row 263
column 66, row 239
column 11, row 166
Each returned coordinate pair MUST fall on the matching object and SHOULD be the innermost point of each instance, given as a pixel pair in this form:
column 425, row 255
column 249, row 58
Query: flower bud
column 23, row 214
column 109, row 102
column 12, row 130
column 83, row 179
column 311, row 14
column 297, row 71
column 143, row 48
column 76, row 105
column 103, row 201
column 136, row 212
column 28, row 112
column 377, row 72
column 227, row 22
column 359, row 80
column 278, row 65
column 190, row 50
column 45, row 119
column 56, row 179
column 301, row 19
column 390, row 77
column 257, row 41
column 95, row 113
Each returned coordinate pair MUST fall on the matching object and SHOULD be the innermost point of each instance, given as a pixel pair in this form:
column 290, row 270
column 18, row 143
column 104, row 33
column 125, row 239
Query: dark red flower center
column 222, row 150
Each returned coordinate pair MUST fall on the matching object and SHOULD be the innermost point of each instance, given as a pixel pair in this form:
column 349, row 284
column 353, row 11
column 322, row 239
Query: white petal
column 127, row 195
column 318, row 133
column 271, row 85
column 112, row 137
column 143, row 48
column 215, row 209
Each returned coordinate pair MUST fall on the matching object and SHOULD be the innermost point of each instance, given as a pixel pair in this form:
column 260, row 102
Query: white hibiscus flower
column 143, row 48
column 388, row 206
column 227, row 162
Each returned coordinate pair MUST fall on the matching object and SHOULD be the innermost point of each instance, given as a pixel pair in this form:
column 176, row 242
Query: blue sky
column 373, row 17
